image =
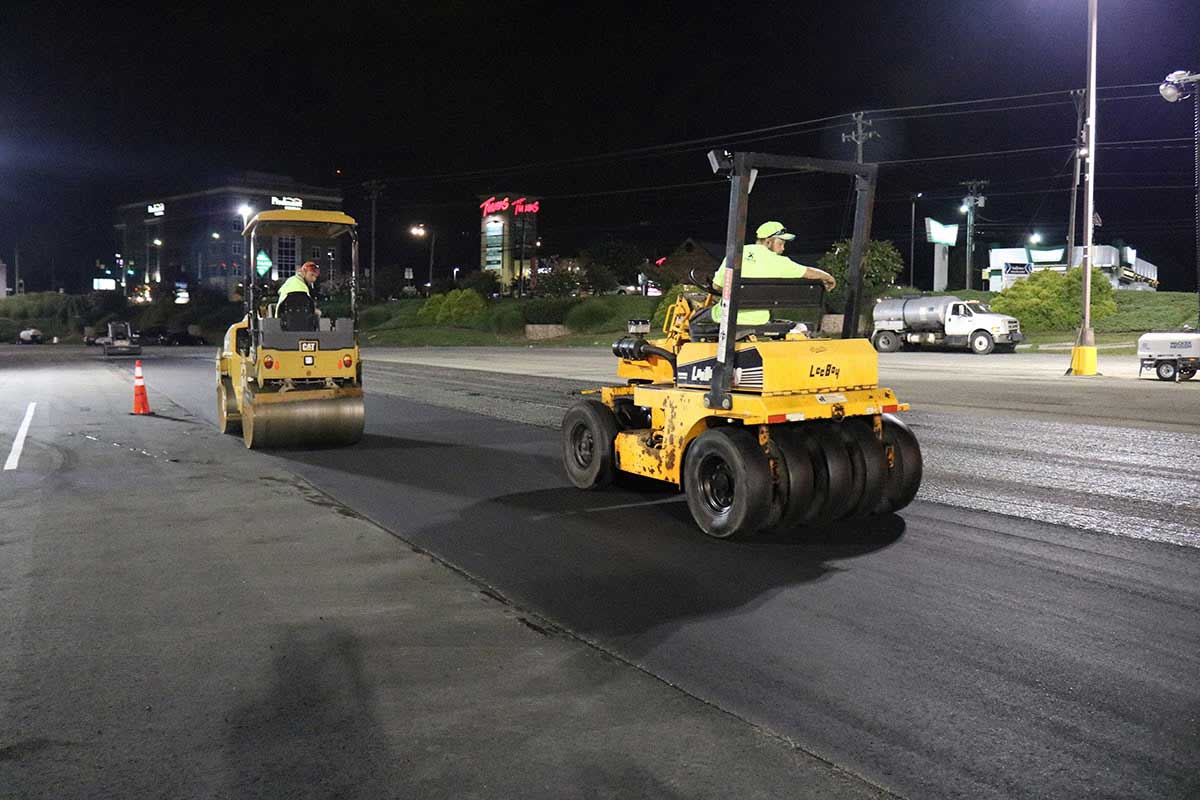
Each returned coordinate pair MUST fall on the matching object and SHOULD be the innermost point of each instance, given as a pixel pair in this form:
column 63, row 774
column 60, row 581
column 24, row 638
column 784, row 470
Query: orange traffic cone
column 141, row 403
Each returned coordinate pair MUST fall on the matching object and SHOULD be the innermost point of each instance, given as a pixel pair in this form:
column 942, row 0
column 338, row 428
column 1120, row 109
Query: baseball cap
column 773, row 228
column 310, row 265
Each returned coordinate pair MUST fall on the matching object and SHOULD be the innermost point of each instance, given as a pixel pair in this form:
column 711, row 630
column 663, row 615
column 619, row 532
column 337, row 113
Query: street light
column 912, row 241
column 420, row 231
column 1174, row 88
column 216, row 235
column 245, row 212
column 157, row 242
column 964, row 208
column 455, row 278
column 1035, row 238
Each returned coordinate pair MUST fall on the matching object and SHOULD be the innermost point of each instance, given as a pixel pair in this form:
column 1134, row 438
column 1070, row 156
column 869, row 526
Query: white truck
column 1172, row 356
column 943, row 321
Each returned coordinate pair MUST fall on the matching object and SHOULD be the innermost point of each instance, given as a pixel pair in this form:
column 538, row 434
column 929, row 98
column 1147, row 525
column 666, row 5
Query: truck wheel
column 1165, row 370
column 887, row 342
column 589, row 430
column 727, row 482
column 982, row 343
column 1187, row 374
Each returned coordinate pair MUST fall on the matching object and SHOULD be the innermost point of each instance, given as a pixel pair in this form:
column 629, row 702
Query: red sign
column 519, row 206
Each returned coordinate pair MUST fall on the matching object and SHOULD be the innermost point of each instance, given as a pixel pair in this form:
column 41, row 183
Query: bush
column 431, row 308
column 457, row 307
column 881, row 263
column 668, row 299
column 485, row 281
column 9, row 328
column 1052, row 301
column 548, row 310
column 588, row 317
column 561, row 281
column 506, row 319
column 374, row 316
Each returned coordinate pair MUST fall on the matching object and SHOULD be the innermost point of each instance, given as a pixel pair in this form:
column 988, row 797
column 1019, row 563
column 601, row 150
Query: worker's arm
column 820, row 275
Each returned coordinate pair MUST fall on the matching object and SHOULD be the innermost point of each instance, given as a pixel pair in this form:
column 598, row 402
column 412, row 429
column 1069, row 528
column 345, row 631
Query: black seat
column 297, row 313
column 758, row 294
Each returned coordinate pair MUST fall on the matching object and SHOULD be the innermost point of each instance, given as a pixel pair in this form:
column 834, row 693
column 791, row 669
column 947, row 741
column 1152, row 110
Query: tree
column 561, row 281
column 611, row 263
column 484, row 281
column 881, row 264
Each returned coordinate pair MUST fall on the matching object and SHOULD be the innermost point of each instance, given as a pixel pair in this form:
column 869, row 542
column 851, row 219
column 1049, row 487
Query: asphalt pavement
column 995, row 639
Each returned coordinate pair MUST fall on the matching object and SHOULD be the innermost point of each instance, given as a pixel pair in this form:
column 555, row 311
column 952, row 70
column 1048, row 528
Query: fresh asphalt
column 1027, row 628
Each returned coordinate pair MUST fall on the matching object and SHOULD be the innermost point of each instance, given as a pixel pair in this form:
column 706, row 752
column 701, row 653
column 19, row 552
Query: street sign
column 408, row 273
column 262, row 263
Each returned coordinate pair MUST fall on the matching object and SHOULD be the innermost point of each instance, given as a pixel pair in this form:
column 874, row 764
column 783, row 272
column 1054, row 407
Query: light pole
column 1083, row 355
column 421, row 231
column 912, row 242
column 245, row 211
column 1173, row 89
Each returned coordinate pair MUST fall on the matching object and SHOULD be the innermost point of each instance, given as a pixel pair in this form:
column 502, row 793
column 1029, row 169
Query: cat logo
column 308, row 346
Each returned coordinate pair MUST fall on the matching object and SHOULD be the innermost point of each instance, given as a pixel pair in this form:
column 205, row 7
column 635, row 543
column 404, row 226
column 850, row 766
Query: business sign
column 522, row 205
column 1016, row 269
column 156, row 209
column 1046, row 255
column 938, row 233
column 290, row 203
column 262, row 263
column 104, row 284
column 408, row 273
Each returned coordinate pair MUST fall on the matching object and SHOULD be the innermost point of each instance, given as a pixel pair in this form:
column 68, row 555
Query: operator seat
column 757, row 294
column 297, row 313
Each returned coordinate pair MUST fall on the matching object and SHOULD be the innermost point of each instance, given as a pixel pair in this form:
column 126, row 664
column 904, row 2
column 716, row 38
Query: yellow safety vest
column 293, row 284
column 758, row 262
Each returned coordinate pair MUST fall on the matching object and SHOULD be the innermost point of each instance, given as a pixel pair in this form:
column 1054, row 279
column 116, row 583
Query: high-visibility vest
column 758, row 262
column 293, row 284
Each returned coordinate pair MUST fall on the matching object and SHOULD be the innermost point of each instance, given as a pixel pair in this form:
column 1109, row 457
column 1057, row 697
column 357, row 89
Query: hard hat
column 776, row 229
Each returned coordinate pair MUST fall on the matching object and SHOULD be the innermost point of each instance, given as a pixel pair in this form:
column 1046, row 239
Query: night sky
column 114, row 104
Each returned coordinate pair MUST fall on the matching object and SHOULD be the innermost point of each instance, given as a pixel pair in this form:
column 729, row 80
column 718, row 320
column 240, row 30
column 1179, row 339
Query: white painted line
column 19, row 443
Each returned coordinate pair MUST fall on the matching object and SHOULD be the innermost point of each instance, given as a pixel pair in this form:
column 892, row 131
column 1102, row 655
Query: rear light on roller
column 268, row 362
column 347, row 362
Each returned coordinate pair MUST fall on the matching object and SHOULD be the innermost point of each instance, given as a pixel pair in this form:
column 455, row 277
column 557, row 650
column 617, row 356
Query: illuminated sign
column 104, row 284
column 290, row 203
column 521, row 205
column 157, row 209
column 262, row 263
column 1052, row 255
column 1128, row 255
column 938, row 233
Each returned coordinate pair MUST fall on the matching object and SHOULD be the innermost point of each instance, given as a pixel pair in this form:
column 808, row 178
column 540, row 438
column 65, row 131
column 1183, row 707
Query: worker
column 765, row 259
column 302, row 281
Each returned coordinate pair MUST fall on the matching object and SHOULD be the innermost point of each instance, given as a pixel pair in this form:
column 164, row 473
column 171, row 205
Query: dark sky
column 111, row 104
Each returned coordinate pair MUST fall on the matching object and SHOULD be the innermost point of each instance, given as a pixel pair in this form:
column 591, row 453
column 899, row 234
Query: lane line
column 19, row 443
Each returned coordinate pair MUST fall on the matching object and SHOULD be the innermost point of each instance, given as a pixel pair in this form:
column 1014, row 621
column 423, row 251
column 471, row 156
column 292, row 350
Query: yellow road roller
column 287, row 376
column 764, row 428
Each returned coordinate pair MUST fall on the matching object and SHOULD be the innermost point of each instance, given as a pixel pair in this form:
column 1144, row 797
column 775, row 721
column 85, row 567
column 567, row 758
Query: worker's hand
column 829, row 282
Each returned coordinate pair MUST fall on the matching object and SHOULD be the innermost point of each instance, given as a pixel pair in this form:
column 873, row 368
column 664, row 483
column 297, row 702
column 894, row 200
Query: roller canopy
column 327, row 224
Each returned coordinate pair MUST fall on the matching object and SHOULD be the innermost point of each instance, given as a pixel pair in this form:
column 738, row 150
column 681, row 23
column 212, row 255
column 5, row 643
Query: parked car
column 160, row 335
column 652, row 289
column 30, row 336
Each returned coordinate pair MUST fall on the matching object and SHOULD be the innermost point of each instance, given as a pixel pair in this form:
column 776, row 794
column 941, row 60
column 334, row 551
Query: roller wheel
column 831, row 459
column 982, row 343
column 1187, row 374
column 903, row 479
column 589, row 430
column 798, row 484
column 1165, row 370
column 228, row 418
column 868, row 463
column 727, row 482
column 887, row 342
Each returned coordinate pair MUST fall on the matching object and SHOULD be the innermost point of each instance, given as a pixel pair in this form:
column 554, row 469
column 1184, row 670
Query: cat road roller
column 286, row 376
column 764, row 428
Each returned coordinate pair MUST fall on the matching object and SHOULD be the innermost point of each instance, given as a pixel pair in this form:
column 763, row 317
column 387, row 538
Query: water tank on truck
column 944, row 321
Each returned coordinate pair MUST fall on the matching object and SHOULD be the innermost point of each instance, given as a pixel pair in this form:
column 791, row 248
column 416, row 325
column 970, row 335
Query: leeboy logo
column 701, row 374
column 827, row 371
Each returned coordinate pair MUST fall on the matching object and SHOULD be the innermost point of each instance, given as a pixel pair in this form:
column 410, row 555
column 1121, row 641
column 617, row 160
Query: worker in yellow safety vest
column 765, row 259
column 302, row 281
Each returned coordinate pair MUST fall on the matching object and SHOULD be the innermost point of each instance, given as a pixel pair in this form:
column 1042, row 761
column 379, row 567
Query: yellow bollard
column 1083, row 360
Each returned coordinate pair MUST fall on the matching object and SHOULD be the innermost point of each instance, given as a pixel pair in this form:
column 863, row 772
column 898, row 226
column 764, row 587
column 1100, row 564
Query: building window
column 314, row 254
column 285, row 256
column 236, row 247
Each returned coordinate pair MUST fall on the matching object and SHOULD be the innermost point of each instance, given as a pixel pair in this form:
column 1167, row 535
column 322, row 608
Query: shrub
column 457, row 307
column 1052, row 301
column 506, row 319
column 548, row 310
column 9, row 328
column 589, row 316
column 485, row 281
column 668, row 299
column 374, row 316
column 431, row 308
column 881, row 263
column 561, row 281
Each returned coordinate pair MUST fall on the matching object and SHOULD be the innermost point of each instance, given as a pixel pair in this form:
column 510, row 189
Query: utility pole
column 972, row 201
column 860, row 135
column 18, row 288
column 374, row 189
column 1083, row 355
column 1079, row 96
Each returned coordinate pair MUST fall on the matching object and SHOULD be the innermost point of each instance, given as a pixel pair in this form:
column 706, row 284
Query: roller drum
column 302, row 423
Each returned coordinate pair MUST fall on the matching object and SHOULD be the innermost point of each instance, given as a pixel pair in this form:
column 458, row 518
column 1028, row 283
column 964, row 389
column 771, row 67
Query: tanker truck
column 943, row 321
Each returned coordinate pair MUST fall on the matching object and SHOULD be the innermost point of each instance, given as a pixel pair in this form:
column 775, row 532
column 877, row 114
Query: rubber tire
column 1187, row 374
column 597, row 468
column 902, row 481
column 886, row 341
column 982, row 343
column 228, row 419
column 737, row 449
column 831, row 460
column 868, row 461
column 1165, row 370
column 799, row 479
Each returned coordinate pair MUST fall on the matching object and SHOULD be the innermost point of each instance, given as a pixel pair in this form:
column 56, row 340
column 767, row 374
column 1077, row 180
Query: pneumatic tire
column 727, row 482
column 903, row 479
column 982, row 343
column 589, row 431
column 887, row 342
column 228, row 419
column 1166, row 370
column 868, row 462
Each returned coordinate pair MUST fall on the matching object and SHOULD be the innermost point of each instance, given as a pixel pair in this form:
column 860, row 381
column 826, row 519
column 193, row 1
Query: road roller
column 287, row 376
column 763, row 427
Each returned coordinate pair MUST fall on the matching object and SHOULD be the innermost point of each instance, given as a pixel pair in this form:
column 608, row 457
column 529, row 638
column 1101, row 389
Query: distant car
column 182, row 339
column 30, row 336
column 652, row 290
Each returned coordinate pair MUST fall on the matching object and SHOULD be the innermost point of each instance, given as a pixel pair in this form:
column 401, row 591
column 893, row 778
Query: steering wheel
column 705, row 285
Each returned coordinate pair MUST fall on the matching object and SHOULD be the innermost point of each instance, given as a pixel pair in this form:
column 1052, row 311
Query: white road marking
column 14, row 457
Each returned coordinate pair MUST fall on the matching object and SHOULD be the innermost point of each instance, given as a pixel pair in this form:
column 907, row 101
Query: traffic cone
column 141, row 403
